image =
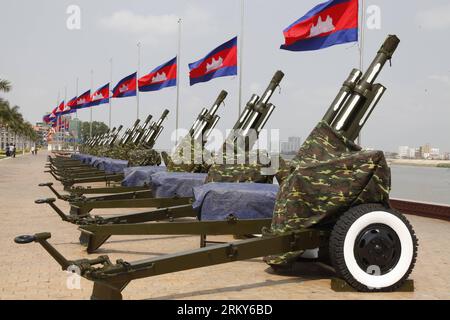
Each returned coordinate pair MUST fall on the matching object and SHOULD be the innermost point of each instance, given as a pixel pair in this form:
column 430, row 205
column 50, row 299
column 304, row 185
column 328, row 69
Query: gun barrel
column 103, row 138
column 274, row 83
column 114, row 136
column 347, row 89
column 207, row 121
column 365, row 95
column 131, row 132
column 163, row 117
column 221, row 98
column 270, row 109
column 259, row 113
column 211, row 128
column 364, row 113
column 246, row 112
column 155, row 130
column 111, row 134
column 197, row 122
column 141, row 131
column 383, row 55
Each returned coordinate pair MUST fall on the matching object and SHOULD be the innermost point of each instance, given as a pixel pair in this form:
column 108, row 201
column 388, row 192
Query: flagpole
column 178, row 82
column 241, row 51
column 76, row 94
column 76, row 115
column 109, row 91
column 65, row 102
column 137, row 80
column 58, row 119
column 90, row 109
column 361, row 45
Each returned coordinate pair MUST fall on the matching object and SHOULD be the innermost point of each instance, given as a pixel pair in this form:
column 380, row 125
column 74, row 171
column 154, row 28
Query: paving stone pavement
column 27, row 272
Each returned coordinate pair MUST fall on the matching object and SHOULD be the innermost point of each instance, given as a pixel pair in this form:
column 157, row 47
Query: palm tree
column 5, row 115
column 5, row 86
column 12, row 121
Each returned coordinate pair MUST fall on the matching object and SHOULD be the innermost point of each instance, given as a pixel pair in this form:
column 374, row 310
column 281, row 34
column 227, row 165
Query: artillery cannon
column 347, row 115
column 370, row 245
column 107, row 148
column 254, row 117
column 360, row 230
column 61, row 171
column 205, row 122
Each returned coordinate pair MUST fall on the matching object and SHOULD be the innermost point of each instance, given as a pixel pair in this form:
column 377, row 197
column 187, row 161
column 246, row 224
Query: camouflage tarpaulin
column 144, row 157
column 329, row 175
column 232, row 168
column 182, row 162
column 121, row 152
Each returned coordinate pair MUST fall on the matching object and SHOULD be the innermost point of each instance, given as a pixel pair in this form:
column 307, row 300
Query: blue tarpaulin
column 82, row 157
column 98, row 161
column 113, row 165
column 216, row 201
column 140, row 176
column 176, row 184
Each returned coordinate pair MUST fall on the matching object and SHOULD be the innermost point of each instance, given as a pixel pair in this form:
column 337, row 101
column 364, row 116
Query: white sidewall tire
column 405, row 260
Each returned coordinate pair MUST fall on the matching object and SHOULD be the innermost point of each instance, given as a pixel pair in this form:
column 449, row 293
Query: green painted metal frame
column 98, row 234
column 111, row 279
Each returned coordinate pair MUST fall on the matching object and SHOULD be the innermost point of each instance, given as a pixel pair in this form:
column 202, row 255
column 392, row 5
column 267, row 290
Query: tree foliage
column 11, row 118
column 97, row 128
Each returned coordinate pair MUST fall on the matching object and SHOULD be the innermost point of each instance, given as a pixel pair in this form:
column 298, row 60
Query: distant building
column 284, row 147
column 403, row 152
column 295, row 143
column 426, row 149
column 418, row 153
column 428, row 152
column 5, row 138
column 292, row 145
column 42, row 130
column 435, row 153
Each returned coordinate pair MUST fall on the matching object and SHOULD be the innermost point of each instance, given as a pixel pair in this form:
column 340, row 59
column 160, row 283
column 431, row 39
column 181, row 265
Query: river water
column 425, row 184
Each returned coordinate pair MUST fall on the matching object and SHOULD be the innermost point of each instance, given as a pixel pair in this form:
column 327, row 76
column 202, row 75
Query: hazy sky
column 41, row 57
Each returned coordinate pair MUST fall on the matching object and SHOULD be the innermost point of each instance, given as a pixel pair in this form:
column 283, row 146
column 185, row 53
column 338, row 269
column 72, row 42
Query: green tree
column 97, row 128
column 12, row 121
column 5, row 86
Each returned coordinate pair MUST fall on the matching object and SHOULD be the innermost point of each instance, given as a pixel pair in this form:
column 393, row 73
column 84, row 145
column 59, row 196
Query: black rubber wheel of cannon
column 373, row 248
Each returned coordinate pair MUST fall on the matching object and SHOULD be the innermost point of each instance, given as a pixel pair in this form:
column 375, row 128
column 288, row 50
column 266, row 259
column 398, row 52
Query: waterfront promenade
column 27, row 272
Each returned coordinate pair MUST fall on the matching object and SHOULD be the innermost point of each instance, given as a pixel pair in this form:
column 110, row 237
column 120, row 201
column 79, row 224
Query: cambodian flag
column 126, row 87
column 162, row 77
column 327, row 24
column 71, row 106
column 220, row 62
column 100, row 96
column 60, row 108
column 52, row 115
column 83, row 101
column 47, row 118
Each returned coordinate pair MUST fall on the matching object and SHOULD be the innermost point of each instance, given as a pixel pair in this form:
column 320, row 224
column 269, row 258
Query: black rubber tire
column 337, row 239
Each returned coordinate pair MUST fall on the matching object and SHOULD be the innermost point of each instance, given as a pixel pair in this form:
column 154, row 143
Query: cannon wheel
column 373, row 248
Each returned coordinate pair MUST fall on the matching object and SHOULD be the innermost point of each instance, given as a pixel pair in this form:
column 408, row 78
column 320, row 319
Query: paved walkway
column 27, row 272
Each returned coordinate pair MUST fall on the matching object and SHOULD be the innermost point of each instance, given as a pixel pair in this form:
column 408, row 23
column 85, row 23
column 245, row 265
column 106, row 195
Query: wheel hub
column 377, row 249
